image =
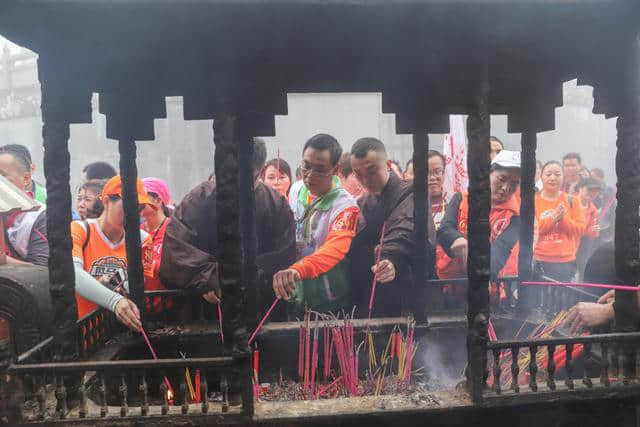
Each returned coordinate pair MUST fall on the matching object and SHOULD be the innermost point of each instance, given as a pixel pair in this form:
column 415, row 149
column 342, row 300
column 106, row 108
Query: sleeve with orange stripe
column 334, row 248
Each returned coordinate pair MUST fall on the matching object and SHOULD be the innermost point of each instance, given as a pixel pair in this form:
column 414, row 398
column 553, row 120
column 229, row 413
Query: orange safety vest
column 499, row 219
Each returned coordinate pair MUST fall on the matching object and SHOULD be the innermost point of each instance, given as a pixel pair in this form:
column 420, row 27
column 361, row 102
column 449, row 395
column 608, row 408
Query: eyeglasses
column 436, row 173
column 310, row 172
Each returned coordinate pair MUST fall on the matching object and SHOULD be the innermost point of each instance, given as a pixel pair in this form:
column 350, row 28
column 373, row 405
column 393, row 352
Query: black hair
column 435, row 153
column 589, row 183
column 549, row 163
column 95, row 186
column 20, row 153
column 496, row 139
column 569, row 156
column 322, row 142
column 345, row 168
column 409, row 162
column 259, row 153
column 361, row 147
column 598, row 171
column 99, row 170
column 284, row 167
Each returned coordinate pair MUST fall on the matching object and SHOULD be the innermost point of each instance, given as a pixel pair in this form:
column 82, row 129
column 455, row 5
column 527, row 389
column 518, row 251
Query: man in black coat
column 190, row 244
column 388, row 202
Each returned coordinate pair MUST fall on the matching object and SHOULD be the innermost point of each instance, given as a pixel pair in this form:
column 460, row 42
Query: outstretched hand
column 385, row 271
column 588, row 314
column 127, row 312
column 284, row 283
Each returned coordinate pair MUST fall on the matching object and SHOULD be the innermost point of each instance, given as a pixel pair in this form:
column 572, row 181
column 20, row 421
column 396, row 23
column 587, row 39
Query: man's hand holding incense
column 385, row 271
column 127, row 312
column 212, row 297
column 607, row 298
column 588, row 314
column 284, row 283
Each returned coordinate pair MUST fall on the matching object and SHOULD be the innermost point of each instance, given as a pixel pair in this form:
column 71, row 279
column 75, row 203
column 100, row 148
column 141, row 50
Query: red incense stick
column 301, row 353
column 375, row 276
column 585, row 285
column 307, row 353
column 314, row 361
column 155, row 357
column 220, row 322
column 264, row 319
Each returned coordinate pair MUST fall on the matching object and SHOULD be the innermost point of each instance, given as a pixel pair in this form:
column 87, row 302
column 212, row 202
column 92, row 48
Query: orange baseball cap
column 113, row 187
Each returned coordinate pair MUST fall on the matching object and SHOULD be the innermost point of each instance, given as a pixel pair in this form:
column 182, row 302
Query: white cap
column 507, row 159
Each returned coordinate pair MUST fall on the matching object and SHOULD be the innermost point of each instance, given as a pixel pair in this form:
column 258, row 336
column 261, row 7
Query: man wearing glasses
column 326, row 218
column 435, row 182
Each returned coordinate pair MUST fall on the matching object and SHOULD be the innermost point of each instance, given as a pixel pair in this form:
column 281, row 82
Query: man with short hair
column 25, row 231
column 37, row 191
column 571, row 167
column 496, row 146
column 189, row 255
column 606, row 203
column 98, row 170
column 326, row 218
column 388, row 204
column 347, row 178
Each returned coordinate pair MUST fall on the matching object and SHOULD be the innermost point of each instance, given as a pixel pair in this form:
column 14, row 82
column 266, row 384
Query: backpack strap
column 87, row 227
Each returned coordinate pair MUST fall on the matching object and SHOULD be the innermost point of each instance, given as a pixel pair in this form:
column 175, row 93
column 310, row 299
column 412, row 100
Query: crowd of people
column 324, row 234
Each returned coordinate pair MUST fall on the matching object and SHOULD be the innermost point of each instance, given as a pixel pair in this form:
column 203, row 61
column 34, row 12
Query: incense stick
column 155, row 357
column 586, row 285
column 220, row 322
column 375, row 275
column 253, row 335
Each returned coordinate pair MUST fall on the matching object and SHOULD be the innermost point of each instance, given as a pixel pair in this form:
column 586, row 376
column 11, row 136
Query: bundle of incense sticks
column 327, row 357
column 543, row 330
column 314, row 360
column 342, row 337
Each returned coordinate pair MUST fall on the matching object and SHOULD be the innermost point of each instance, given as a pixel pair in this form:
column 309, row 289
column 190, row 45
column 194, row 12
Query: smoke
column 443, row 357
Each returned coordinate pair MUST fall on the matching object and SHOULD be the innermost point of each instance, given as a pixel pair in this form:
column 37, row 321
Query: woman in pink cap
column 156, row 221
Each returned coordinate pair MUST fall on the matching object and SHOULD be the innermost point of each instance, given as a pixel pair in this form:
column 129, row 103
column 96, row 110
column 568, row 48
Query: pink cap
column 158, row 186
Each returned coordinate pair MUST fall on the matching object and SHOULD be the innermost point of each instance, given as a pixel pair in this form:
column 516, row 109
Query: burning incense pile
column 390, row 373
column 543, row 330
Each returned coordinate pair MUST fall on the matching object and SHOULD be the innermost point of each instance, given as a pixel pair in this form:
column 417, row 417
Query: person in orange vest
column 561, row 219
column 99, row 254
column 504, row 219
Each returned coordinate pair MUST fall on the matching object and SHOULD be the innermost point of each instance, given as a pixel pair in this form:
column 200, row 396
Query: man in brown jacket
column 189, row 251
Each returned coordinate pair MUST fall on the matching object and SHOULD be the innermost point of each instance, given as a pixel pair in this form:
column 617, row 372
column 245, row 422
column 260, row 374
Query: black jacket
column 394, row 207
column 189, row 251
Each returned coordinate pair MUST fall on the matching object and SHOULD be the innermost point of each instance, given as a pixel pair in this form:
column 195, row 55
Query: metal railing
column 133, row 381
column 539, row 363
column 37, row 380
